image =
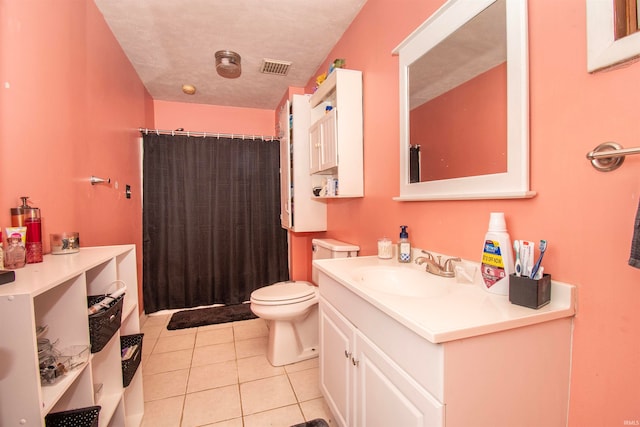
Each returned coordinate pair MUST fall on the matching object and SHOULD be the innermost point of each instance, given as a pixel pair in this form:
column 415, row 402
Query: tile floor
column 219, row 376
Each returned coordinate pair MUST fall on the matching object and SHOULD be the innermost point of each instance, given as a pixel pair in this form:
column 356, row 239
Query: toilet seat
column 284, row 293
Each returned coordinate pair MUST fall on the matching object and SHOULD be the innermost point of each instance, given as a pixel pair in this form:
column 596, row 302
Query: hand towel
column 634, row 259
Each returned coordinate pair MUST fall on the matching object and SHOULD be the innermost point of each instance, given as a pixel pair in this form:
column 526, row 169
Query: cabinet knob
column 347, row 354
column 355, row 362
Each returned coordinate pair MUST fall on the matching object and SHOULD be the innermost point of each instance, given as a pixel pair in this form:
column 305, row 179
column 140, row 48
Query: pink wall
column 70, row 107
column 587, row 216
column 463, row 124
column 71, row 104
column 214, row 118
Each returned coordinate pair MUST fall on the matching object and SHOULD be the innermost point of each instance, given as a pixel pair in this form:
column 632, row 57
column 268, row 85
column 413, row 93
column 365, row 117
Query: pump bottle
column 497, row 257
column 404, row 246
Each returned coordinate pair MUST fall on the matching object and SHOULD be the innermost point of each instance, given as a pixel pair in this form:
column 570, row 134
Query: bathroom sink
column 398, row 280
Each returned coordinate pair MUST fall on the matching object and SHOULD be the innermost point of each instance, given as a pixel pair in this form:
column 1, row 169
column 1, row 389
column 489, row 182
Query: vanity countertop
column 456, row 311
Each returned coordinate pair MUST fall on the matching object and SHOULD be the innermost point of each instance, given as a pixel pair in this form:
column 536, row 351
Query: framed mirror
column 464, row 103
column 604, row 49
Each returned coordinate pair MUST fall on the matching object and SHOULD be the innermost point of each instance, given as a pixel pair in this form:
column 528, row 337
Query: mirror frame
column 514, row 183
column 603, row 50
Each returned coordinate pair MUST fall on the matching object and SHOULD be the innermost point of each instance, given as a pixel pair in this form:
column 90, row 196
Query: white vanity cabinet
column 362, row 385
column 54, row 294
column 376, row 371
column 336, row 135
column 300, row 211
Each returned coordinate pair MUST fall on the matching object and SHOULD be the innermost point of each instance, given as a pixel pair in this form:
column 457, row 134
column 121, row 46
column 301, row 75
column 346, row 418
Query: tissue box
column 7, row 276
column 529, row 292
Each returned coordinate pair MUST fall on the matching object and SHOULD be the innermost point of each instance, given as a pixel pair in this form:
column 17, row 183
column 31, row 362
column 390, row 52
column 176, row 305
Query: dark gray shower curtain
column 211, row 220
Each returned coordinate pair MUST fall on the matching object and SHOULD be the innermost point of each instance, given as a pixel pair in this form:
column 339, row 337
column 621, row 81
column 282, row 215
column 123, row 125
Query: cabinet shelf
column 54, row 293
column 52, row 393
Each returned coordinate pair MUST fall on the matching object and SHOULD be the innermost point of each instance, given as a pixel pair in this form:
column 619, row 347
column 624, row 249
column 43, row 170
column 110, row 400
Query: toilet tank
column 330, row 248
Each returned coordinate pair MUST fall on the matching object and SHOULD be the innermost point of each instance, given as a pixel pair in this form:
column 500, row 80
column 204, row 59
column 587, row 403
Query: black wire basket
column 83, row 417
column 130, row 365
column 104, row 324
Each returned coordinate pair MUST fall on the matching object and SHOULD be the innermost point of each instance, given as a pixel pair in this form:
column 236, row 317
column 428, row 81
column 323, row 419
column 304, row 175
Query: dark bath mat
column 210, row 316
column 318, row 422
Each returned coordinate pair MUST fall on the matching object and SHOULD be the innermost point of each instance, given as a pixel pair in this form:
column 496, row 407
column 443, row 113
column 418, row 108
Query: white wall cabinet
column 54, row 293
column 300, row 210
column 336, row 135
column 374, row 371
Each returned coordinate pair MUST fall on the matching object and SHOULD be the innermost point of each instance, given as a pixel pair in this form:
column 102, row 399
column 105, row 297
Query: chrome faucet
column 436, row 267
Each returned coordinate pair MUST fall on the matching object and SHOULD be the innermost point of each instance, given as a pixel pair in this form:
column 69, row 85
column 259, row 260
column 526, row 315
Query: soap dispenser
column 404, row 246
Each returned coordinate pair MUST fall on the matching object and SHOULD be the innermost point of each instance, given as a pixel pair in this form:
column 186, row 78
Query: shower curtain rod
column 181, row 131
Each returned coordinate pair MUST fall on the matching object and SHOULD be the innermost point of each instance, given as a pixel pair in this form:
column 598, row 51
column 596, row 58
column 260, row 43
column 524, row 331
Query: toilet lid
column 284, row 291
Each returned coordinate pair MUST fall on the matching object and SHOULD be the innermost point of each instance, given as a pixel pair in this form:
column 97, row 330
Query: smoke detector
column 274, row 66
column 228, row 64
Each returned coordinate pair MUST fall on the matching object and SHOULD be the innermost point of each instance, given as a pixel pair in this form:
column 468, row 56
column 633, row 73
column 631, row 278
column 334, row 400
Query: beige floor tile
column 214, row 336
column 306, row 384
column 165, row 362
column 265, row 394
column 163, row 413
column 255, row 368
column 212, row 376
column 175, row 343
column 280, row 417
column 173, row 332
column 165, row 384
column 219, row 373
column 148, row 344
column 215, row 326
column 317, row 408
column 253, row 328
column 236, row 422
column 251, row 347
column 213, row 354
column 211, row 406
column 157, row 320
column 151, row 331
column 301, row 366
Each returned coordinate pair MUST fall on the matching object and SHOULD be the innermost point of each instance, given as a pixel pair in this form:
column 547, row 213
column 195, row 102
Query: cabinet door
column 286, row 218
column 329, row 145
column 336, row 371
column 323, row 143
column 387, row 396
column 315, row 147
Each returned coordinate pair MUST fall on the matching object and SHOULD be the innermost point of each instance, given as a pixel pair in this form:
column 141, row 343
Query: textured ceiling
column 171, row 43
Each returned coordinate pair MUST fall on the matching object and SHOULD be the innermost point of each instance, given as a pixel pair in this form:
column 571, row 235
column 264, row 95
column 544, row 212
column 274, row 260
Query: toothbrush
column 518, row 267
column 543, row 248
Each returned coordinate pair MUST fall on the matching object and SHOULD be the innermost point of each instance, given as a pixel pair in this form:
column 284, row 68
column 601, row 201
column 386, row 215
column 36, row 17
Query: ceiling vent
column 273, row 66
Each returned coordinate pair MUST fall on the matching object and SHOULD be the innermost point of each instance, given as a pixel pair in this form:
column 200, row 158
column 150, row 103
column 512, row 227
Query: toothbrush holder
column 529, row 292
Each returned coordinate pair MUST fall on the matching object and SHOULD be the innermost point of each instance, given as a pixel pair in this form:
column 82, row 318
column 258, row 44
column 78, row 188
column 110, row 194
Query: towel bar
column 609, row 156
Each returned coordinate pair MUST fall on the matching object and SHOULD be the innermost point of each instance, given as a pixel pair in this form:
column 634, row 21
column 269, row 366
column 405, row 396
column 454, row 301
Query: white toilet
column 291, row 309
